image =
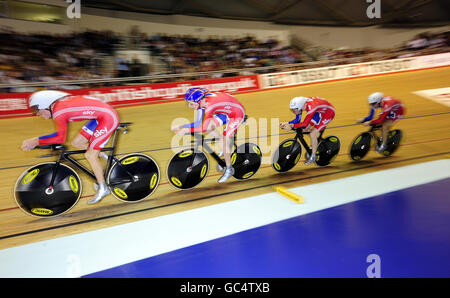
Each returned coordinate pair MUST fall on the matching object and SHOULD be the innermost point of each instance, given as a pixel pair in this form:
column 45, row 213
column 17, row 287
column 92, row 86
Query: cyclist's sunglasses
column 34, row 109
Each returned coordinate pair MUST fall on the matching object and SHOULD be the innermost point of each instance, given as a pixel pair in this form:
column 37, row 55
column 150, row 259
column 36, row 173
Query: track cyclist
column 392, row 111
column 215, row 109
column 62, row 107
column 319, row 113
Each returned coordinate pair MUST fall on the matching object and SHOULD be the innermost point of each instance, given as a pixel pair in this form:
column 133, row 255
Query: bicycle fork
column 49, row 190
column 111, row 158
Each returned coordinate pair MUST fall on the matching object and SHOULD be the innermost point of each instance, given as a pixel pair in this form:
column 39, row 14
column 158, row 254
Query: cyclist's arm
column 380, row 119
column 297, row 119
column 306, row 121
column 370, row 117
column 194, row 126
column 58, row 137
column 208, row 117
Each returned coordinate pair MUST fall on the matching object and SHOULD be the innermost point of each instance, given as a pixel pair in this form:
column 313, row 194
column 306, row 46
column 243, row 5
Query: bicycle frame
column 299, row 136
column 199, row 141
column 373, row 132
column 66, row 156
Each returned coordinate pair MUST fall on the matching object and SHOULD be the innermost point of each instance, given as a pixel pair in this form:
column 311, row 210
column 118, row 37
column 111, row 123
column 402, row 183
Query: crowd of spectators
column 187, row 54
column 28, row 58
column 48, row 58
column 184, row 54
column 422, row 44
column 428, row 41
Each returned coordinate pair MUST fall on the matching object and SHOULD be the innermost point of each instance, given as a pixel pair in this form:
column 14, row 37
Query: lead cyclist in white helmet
column 62, row 107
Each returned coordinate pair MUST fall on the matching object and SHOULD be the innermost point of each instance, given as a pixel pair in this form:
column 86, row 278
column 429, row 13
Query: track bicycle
column 190, row 166
column 53, row 188
column 289, row 151
column 364, row 141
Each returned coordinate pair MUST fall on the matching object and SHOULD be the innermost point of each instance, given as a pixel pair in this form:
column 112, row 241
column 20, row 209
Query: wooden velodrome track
column 426, row 137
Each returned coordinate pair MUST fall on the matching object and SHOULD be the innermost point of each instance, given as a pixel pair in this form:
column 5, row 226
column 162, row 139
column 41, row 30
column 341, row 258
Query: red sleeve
column 207, row 118
column 305, row 122
column 380, row 119
column 61, row 131
column 205, row 125
column 199, row 128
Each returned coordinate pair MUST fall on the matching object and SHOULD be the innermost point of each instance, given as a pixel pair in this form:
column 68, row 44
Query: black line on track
column 222, row 194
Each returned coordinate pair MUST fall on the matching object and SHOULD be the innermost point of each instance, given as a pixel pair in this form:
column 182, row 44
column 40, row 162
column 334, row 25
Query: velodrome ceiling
column 294, row 12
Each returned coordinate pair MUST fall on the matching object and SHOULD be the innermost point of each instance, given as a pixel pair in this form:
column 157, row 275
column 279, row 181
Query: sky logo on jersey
column 88, row 112
column 100, row 132
column 326, row 121
column 234, row 124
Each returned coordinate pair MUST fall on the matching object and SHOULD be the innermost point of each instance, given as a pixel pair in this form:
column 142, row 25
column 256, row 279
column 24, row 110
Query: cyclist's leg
column 92, row 157
column 228, row 143
column 99, row 139
column 319, row 122
column 385, row 128
column 228, row 134
column 219, row 120
column 102, row 189
column 81, row 141
column 395, row 115
column 313, row 134
column 211, row 129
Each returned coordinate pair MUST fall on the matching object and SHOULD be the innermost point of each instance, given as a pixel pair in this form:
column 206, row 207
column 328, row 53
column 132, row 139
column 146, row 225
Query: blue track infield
column 409, row 230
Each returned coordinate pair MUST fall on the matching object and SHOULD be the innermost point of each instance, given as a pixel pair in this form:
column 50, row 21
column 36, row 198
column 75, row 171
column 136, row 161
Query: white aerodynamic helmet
column 298, row 102
column 375, row 97
column 43, row 99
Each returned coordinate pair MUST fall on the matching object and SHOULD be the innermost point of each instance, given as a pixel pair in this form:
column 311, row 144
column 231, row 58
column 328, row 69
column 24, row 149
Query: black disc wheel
column 394, row 139
column 36, row 197
column 133, row 178
column 187, row 168
column 246, row 160
column 287, row 155
column 360, row 146
column 327, row 150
